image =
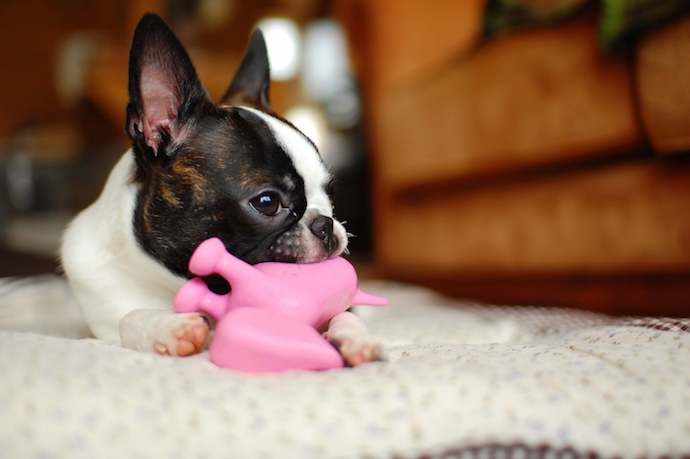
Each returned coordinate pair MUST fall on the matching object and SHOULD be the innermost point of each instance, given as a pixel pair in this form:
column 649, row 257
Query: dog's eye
column 268, row 203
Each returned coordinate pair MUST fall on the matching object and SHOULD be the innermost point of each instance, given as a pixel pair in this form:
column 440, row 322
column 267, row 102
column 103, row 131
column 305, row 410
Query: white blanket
column 460, row 379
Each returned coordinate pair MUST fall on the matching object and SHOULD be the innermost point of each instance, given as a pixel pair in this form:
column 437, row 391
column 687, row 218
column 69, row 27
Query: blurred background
column 512, row 151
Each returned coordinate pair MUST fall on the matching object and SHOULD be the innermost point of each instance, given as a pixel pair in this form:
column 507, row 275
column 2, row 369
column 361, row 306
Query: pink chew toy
column 269, row 320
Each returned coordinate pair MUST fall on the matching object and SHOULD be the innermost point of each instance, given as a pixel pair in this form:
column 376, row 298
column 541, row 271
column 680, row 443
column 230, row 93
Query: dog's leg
column 351, row 337
column 164, row 332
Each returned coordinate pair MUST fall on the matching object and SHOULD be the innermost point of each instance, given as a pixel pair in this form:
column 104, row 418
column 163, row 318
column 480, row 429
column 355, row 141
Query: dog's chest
column 99, row 247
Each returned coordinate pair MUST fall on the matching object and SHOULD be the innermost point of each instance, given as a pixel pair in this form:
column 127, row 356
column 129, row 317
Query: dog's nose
column 322, row 227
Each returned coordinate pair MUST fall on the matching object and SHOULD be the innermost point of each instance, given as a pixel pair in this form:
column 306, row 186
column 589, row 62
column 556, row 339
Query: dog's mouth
column 299, row 245
column 295, row 245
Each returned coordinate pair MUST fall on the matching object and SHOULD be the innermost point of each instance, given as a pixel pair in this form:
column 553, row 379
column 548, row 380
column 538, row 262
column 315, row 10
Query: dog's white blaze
column 305, row 159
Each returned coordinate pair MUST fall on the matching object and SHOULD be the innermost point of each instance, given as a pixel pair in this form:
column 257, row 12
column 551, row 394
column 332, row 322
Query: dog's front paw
column 182, row 335
column 358, row 350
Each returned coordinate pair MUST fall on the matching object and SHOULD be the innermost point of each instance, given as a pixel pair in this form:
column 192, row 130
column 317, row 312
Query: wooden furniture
column 526, row 169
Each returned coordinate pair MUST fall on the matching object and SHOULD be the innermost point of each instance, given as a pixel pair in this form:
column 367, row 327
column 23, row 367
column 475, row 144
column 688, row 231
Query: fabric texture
column 460, row 379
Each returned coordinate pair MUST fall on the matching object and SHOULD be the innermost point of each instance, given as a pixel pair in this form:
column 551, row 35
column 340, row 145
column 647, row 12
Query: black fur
column 252, row 80
column 155, row 46
column 237, row 159
column 202, row 184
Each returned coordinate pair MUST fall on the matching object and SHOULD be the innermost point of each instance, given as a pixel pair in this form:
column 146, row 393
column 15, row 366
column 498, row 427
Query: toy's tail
column 365, row 299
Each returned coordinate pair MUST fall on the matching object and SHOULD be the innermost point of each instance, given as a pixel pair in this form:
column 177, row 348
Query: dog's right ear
column 164, row 91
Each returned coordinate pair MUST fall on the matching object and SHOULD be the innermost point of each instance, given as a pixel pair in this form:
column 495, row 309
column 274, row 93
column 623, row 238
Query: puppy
column 233, row 170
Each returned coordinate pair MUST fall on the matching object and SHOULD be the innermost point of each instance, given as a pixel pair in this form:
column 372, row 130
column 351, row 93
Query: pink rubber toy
column 268, row 322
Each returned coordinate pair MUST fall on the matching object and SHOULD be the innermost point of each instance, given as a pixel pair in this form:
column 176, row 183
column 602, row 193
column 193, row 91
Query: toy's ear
column 250, row 86
column 164, row 90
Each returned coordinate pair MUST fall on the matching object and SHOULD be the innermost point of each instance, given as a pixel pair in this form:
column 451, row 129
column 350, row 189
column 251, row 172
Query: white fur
column 311, row 168
column 355, row 342
column 109, row 273
column 306, row 160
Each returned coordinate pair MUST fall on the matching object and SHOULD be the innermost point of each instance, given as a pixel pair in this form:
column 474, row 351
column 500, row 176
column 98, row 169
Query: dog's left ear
column 165, row 93
column 250, row 86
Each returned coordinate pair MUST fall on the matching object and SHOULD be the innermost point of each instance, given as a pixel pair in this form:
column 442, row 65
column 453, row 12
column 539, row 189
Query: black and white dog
column 233, row 170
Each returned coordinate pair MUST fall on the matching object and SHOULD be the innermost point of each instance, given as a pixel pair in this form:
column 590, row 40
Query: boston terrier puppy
column 233, row 170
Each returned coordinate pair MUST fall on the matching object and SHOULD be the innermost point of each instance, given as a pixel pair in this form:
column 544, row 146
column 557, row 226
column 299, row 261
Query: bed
column 460, row 380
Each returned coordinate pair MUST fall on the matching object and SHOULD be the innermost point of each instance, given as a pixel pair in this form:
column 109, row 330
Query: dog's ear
column 250, row 85
column 164, row 90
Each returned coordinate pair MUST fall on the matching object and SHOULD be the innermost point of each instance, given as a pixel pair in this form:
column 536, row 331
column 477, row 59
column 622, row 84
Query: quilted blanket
column 460, row 380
